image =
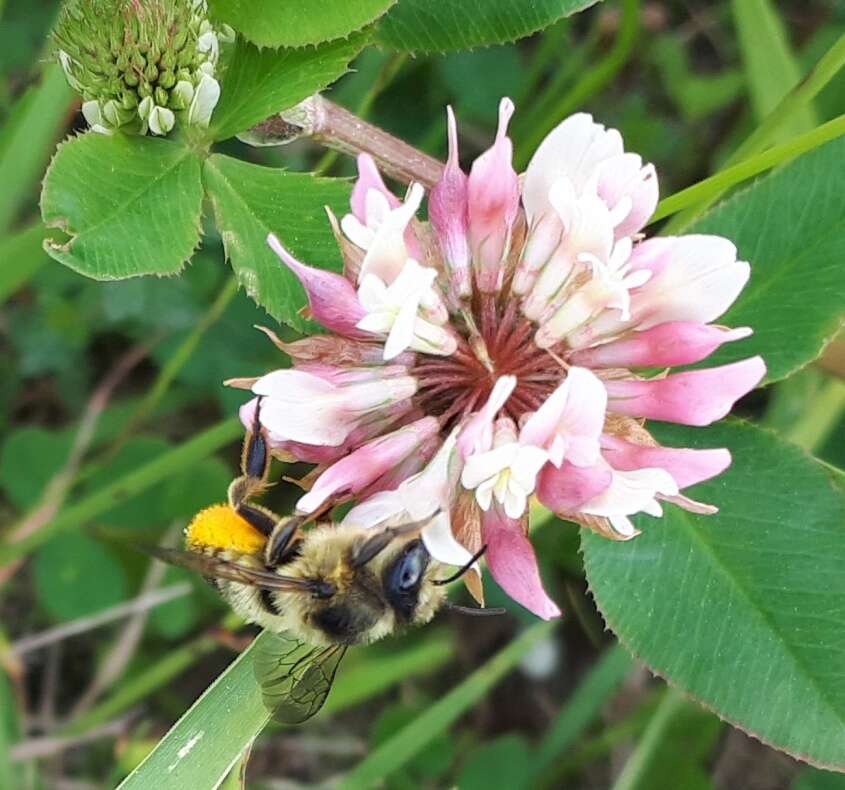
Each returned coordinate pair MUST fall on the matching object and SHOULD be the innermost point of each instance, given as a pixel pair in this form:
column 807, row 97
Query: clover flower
column 510, row 347
column 139, row 64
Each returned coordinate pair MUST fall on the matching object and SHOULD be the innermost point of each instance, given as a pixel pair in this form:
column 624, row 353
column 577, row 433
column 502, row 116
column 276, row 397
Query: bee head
column 364, row 588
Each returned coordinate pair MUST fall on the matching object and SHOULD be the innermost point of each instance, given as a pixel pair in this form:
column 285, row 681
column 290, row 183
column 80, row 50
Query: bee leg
column 263, row 520
column 255, row 467
column 282, row 546
column 255, row 458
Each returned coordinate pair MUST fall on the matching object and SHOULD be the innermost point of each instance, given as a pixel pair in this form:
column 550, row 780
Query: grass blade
column 397, row 750
column 201, row 748
column 178, row 459
column 770, row 67
column 35, row 123
column 21, row 255
column 584, row 705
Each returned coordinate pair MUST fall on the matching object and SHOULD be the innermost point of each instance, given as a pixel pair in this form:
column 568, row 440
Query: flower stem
column 706, row 191
column 335, row 127
column 382, row 81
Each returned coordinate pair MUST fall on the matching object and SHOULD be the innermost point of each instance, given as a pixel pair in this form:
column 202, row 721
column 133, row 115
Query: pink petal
column 574, row 412
column 696, row 397
column 447, row 210
column 367, row 464
column 368, row 178
column 672, row 343
column 367, row 430
column 512, row 563
column 407, row 467
column 477, row 435
column 625, row 178
column 686, row 466
column 694, row 278
column 331, row 296
column 564, row 490
column 493, row 203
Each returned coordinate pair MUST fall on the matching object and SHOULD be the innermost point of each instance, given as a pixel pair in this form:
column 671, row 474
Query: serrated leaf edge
column 670, row 681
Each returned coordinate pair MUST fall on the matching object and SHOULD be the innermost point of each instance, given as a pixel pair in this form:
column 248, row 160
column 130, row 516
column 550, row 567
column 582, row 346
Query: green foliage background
column 114, row 425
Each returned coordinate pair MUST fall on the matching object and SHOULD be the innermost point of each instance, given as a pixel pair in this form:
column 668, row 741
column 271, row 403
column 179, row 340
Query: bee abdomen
column 268, row 602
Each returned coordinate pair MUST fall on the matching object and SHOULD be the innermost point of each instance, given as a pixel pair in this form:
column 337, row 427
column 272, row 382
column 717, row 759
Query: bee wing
column 295, row 677
column 219, row 568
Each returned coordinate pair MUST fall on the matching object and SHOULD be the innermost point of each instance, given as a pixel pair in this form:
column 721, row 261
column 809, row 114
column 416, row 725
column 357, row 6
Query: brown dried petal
column 599, row 525
column 628, row 428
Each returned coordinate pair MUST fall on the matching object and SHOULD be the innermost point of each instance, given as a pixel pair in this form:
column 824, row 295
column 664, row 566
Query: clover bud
column 140, row 65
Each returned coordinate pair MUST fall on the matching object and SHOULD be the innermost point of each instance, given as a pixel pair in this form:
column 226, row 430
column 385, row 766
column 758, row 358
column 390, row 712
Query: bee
column 318, row 590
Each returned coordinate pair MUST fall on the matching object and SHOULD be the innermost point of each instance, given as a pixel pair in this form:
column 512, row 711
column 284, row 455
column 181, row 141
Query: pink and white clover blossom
column 507, row 351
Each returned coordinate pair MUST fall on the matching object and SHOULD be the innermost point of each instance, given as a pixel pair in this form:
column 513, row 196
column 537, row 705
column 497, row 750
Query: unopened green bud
column 135, row 61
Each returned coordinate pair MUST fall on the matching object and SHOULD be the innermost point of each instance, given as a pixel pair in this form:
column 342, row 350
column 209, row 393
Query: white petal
column 575, row 149
column 441, row 544
column 402, row 331
column 624, row 526
column 432, row 339
column 359, row 234
column 372, row 293
column 527, row 466
column 379, row 509
column 293, row 385
column 161, row 120
column 145, row 108
column 484, row 493
column 632, row 492
column 92, row 113
column 386, row 254
column 302, row 408
column 698, row 279
column 412, row 282
column 205, row 99
column 515, row 503
column 485, row 466
column 379, row 323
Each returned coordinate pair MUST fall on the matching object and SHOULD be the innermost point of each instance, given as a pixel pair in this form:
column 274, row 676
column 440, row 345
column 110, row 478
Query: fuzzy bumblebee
column 320, row 589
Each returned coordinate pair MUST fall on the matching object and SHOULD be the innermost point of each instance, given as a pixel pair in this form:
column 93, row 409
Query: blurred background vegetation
column 101, row 653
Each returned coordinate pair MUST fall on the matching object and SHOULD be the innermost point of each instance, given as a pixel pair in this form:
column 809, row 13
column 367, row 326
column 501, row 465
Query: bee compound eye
column 411, row 571
column 410, row 566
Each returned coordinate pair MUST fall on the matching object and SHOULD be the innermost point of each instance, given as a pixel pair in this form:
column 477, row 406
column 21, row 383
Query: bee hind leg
column 255, row 468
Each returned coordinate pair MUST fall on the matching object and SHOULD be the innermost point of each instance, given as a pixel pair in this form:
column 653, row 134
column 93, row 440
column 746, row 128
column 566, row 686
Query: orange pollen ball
column 220, row 527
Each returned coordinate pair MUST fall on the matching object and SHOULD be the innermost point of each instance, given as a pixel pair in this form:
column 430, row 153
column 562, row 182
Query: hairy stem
column 331, row 125
column 382, row 81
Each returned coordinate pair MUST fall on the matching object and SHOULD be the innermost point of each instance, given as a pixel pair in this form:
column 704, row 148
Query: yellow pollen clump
column 220, row 527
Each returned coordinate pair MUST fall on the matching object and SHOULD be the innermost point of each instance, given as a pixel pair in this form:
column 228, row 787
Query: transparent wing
column 295, row 677
column 219, row 568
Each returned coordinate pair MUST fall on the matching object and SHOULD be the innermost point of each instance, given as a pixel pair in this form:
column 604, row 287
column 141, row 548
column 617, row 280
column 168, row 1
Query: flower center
column 493, row 341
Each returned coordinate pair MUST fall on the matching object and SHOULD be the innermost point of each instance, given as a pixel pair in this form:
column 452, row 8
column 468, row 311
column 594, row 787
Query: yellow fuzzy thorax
column 220, row 527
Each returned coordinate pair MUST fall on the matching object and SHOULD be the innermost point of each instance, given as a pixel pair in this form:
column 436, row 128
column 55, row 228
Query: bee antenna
column 474, row 611
column 463, row 569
